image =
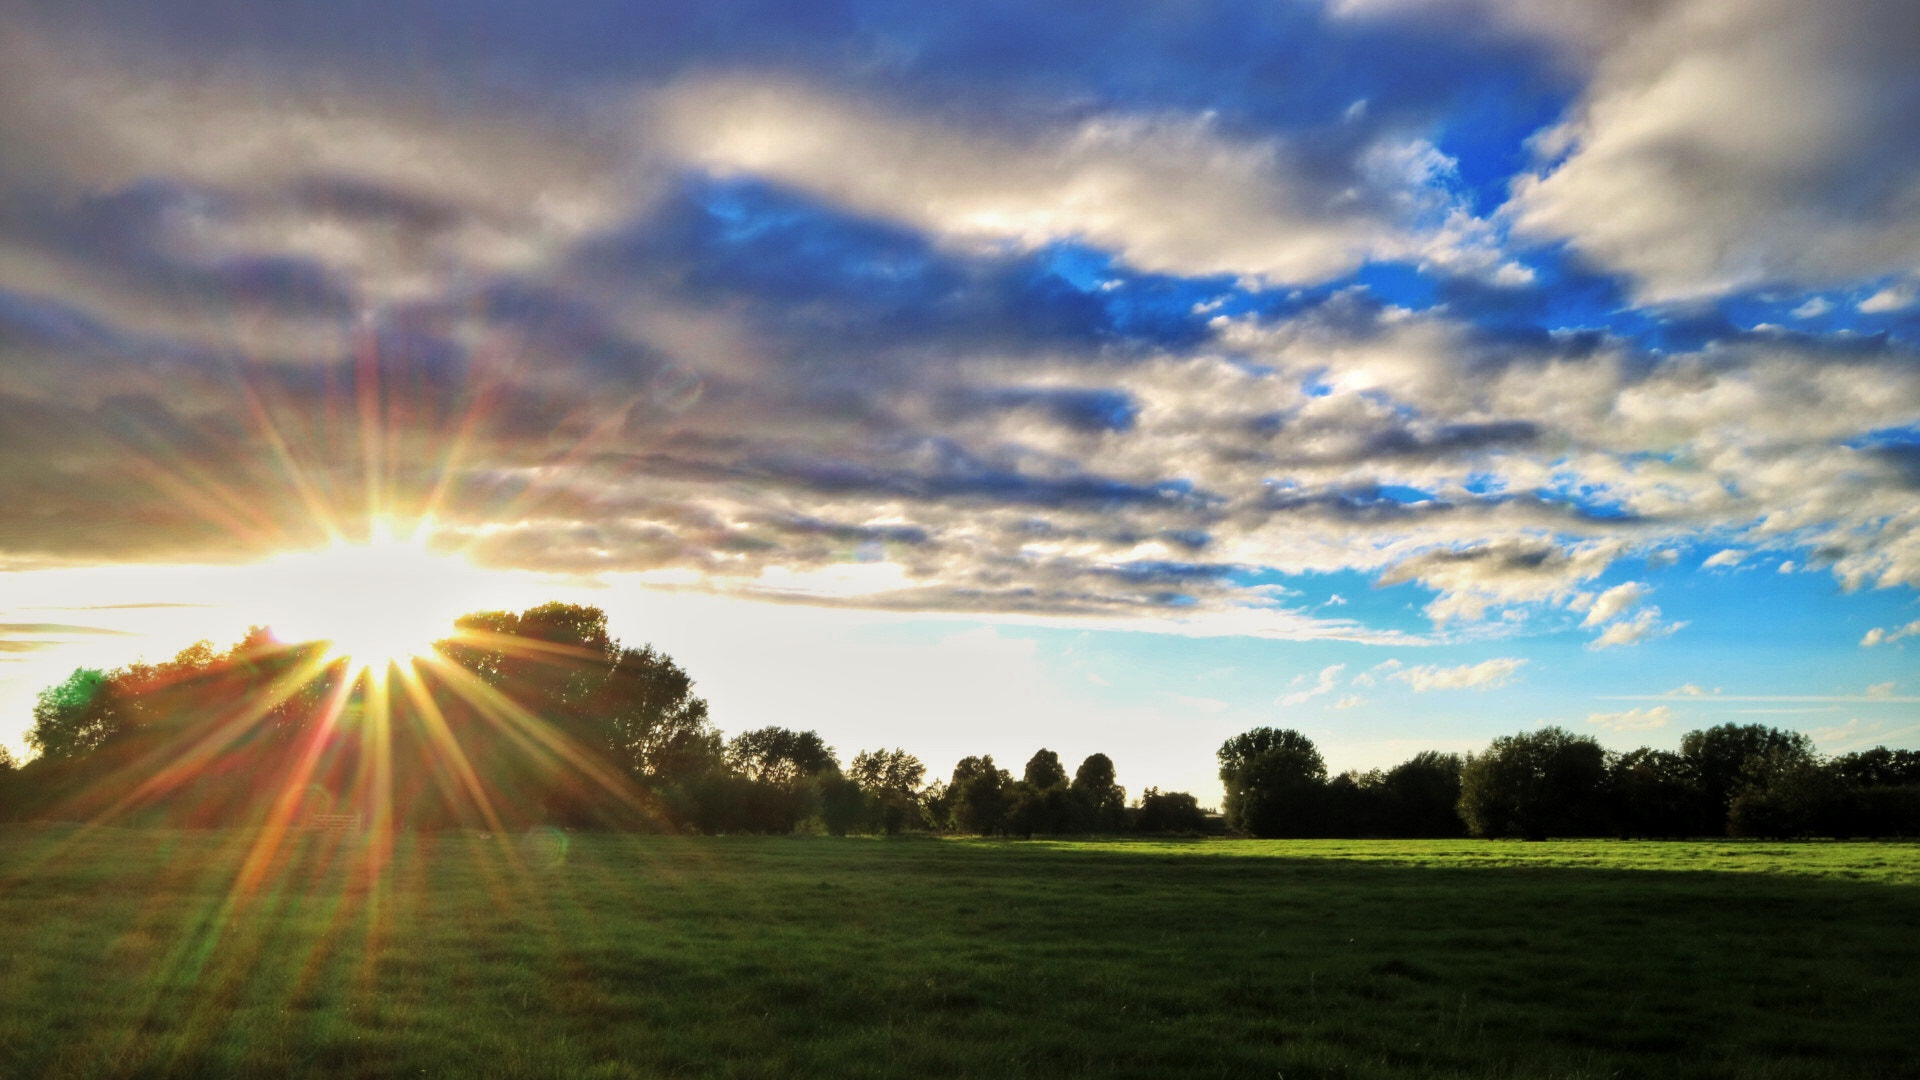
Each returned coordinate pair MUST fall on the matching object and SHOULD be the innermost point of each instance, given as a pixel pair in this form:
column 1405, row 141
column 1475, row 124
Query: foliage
column 891, row 780
column 1169, row 812
column 1273, row 781
column 1730, row 758
column 979, row 796
column 541, row 717
column 1099, row 802
column 1534, row 785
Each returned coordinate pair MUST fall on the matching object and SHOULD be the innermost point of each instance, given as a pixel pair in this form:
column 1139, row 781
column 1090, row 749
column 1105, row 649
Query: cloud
column 1372, row 675
column 1165, row 191
column 1350, row 701
column 1614, row 602
column 1642, row 719
column 1328, row 678
column 886, row 338
column 1887, row 636
column 1643, row 626
column 1877, row 694
column 1894, row 297
column 1717, row 148
column 1471, row 580
column 1486, row 675
column 1724, row 557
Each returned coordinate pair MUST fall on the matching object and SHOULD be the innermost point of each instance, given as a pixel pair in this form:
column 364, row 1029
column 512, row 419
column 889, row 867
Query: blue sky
column 1116, row 376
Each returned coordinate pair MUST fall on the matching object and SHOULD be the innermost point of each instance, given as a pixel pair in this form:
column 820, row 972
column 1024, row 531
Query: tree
column 1879, row 767
column 1423, row 795
column 1169, row 811
column 658, row 726
column 1355, row 804
column 75, row 717
column 1799, row 797
column 777, row 755
column 1534, row 785
column 1039, row 802
column 788, row 774
column 1099, row 804
column 1730, row 758
column 1045, row 771
column 1274, row 781
column 1654, row 794
column 891, row 781
column 978, row 796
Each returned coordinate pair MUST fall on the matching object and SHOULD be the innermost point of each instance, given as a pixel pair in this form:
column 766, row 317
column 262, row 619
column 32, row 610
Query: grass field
column 135, row 953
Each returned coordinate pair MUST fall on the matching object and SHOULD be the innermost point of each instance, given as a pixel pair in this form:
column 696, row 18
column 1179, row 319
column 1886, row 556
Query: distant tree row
column 541, row 717
column 519, row 719
column 1733, row 779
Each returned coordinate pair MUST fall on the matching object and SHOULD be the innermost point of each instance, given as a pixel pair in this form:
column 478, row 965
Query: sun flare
column 378, row 603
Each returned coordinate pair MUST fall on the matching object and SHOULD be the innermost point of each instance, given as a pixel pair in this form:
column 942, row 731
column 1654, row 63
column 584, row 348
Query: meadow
column 154, row 953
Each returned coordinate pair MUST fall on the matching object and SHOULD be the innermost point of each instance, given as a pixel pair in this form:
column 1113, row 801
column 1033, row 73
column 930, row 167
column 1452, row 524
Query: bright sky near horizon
column 1110, row 377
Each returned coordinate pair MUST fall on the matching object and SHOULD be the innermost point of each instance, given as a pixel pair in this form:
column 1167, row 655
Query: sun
column 377, row 603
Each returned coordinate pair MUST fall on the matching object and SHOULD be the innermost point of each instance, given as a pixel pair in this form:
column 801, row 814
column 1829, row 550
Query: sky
column 1111, row 377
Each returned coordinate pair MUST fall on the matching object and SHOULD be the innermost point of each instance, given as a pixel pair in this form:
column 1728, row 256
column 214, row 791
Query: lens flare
column 378, row 603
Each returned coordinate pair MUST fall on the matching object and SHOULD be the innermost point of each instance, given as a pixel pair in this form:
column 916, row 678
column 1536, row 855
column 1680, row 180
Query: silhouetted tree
column 1274, row 780
column 1879, row 767
column 1423, row 796
column 891, row 781
column 787, row 773
column 1355, row 803
column 978, row 796
column 1099, row 804
column 1169, row 811
column 1730, row 758
column 1045, row 771
column 1797, row 797
column 1535, row 784
column 1654, row 793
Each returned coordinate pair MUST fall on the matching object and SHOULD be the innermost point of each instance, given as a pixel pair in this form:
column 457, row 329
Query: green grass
column 146, row 953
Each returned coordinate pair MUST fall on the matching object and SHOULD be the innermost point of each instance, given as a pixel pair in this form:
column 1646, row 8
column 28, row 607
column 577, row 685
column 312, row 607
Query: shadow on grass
column 758, row 957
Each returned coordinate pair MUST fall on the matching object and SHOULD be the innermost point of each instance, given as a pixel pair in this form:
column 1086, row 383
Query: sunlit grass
column 130, row 952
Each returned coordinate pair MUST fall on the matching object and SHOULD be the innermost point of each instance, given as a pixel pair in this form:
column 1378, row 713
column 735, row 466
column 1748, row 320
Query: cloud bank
column 744, row 313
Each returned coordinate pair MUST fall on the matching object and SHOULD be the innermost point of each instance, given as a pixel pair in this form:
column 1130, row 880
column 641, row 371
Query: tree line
column 1731, row 779
column 541, row 717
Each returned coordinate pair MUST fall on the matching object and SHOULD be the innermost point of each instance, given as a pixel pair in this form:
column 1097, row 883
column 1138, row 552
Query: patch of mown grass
column 133, row 953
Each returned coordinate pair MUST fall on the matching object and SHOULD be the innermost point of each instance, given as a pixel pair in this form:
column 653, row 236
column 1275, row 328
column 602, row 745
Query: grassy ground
column 130, row 953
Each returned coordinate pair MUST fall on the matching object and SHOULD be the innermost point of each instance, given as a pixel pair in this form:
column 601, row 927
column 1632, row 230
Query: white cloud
column 1167, row 192
column 1486, row 675
column 1645, row 625
column 1638, row 719
column 1892, row 298
column 1725, row 557
column 1328, row 678
column 1350, row 701
column 1813, row 308
column 1720, row 146
column 1372, row 675
column 1614, row 602
column 1474, row 579
column 1886, row 636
